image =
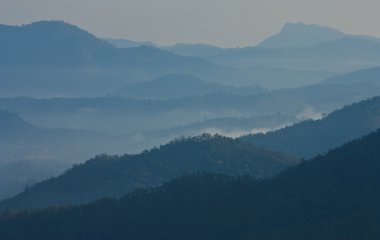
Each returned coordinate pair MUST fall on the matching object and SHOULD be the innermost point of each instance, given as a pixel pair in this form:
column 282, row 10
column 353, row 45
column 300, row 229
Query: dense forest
column 112, row 176
column 334, row 196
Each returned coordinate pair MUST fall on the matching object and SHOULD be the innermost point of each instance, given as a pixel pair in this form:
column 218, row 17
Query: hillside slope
column 53, row 58
column 309, row 138
column 330, row 197
column 301, row 35
column 106, row 176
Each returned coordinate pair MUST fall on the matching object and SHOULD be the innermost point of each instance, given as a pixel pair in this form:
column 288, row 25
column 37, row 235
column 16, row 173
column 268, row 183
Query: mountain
column 121, row 115
column 31, row 154
column 16, row 176
column 107, row 176
column 146, row 123
column 134, row 125
column 11, row 123
column 338, row 56
column 178, row 86
column 229, row 126
column 334, row 196
column 312, row 137
column 125, row 43
column 301, row 35
column 51, row 43
column 299, row 55
column 57, row 44
column 366, row 76
column 23, row 141
column 53, row 58
column 301, row 47
column 56, row 59
column 275, row 78
column 196, row 50
column 183, row 49
column 15, row 173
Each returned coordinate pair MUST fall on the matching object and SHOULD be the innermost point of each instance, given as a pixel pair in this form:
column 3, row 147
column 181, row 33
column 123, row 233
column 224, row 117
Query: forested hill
column 308, row 138
column 11, row 123
column 334, row 196
column 107, row 176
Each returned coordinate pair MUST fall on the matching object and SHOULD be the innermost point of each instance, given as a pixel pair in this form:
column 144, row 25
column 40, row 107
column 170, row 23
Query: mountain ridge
column 108, row 176
column 334, row 196
column 308, row 138
column 61, row 59
column 172, row 86
column 301, row 35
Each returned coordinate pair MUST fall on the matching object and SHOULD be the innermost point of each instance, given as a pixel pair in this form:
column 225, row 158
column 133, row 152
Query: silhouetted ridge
column 334, row 196
column 301, row 35
column 53, row 58
column 308, row 138
column 125, row 43
column 57, row 43
column 172, row 86
column 187, row 49
column 51, row 43
column 363, row 77
column 109, row 176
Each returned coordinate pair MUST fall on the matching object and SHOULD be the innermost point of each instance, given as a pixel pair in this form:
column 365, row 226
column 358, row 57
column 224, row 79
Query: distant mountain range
column 30, row 154
column 306, row 47
column 334, row 196
column 53, row 44
column 87, row 96
column 62, row 60
column 301, row 35
column 56, row 59
column 229, row 126
column 37, row 143
column 339, row 56
column 305, row 139
column 178, row 86
column 309, row 138
column 107, row 176
column 195, row 50
column 363, row 77
column 183, row 49
column 299, row 55
column 141, row 124
column 292, row 35
column 125, row 43
column 135, row 116
column 297, row 47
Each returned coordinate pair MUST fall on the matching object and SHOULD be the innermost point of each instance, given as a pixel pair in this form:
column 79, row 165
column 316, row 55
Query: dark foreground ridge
column 113, row 176
column 334, row 196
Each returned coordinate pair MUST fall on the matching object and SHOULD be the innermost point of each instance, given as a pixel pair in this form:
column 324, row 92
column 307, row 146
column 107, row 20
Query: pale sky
column 227, row 23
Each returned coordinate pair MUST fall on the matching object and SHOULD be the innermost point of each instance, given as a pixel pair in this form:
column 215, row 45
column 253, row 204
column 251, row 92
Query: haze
column 223, row 22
